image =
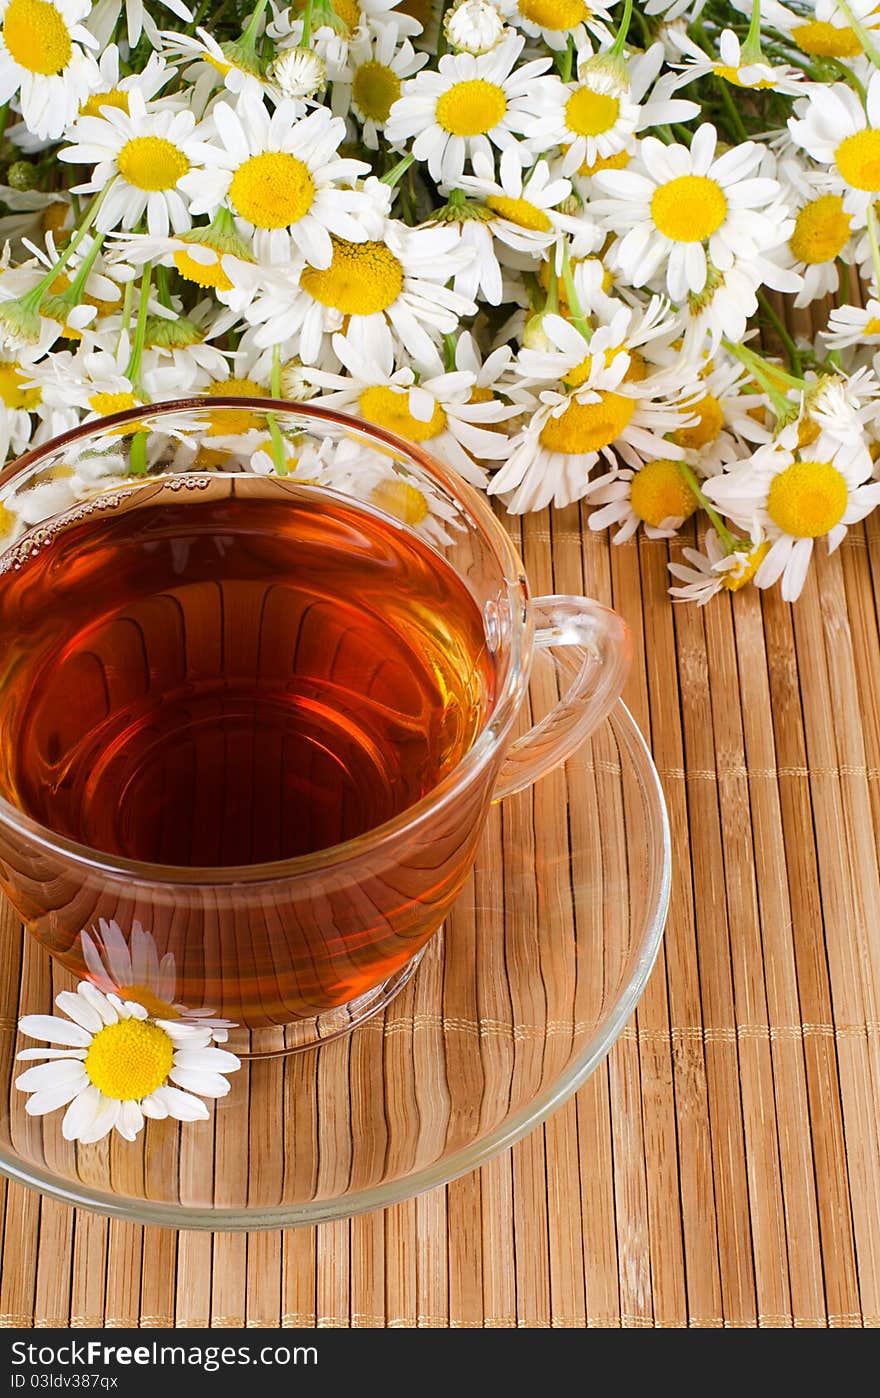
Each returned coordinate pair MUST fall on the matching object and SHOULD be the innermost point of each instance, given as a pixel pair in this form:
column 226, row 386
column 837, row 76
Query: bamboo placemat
column 722, row 1167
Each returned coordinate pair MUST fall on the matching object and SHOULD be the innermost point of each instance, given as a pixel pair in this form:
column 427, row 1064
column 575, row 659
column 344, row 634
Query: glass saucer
column 515, row 1002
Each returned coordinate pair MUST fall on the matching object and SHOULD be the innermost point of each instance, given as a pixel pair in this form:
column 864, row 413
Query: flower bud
column 474, row 26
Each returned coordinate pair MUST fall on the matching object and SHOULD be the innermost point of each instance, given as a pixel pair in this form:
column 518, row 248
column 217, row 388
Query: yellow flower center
column 581, row 372
column 825, row 40
column 590, row 113
column 202, row 273
column 471, row 108
column 586, row 427
column 520, row 212
column 116, row 97
column 710, row 420
column 821, row 230
column 659, row 492
column 741, row 573
column 555, row 15
column 54, row 217
column 151, row 163
column 389, row 408
column 374, row 89
column 230, row 421
column 143, row 995
column 858, row 160
column 129, row 1060
column 400, row 499
column 872, row 327
column 106, row 403
column 37, row 37
column 272, row 190
column 689, row 209
column 11, row 392
column 606, row 162
column 731, row 75
column 362, row 279
column 807, row 499
column 808, row 431
column 638, row 368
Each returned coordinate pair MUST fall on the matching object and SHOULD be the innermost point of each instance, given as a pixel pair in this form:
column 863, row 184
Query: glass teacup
column 236, row 859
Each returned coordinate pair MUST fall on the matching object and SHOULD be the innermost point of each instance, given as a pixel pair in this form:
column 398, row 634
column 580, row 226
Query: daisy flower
column 833, row 127
column 656, row 496
column 146, row 155
column 853, row 325
column 436, row 409
column 731, row 67
column 281, row 177
column 525, row 213
column 113, row 91
column 117, row 1066
column 399, row 275
column 797, row 496
column 571, row 359
column 716, row 571
column 596, row 118
column 214, row 258
column 44, row 60
column 676, row 208
column 607, row 415
column 298, row 73
column 821, row 236
column 370, row 82
column 131, row 968
column 557, row 21
column 470, row 105
column 728, row 299
column 17, row 402
column 473, row 26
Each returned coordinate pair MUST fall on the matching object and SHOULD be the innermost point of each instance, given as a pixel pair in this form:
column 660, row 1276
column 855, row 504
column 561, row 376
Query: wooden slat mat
column 722, row 1167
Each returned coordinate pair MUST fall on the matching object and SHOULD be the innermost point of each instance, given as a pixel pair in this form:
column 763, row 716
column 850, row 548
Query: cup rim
column 440, row 796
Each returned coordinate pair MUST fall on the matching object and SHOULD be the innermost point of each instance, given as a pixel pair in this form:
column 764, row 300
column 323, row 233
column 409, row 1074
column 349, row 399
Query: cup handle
column 591, row 647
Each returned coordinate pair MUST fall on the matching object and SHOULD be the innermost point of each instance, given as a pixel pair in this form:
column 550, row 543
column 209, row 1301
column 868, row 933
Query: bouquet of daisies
column 557, row 243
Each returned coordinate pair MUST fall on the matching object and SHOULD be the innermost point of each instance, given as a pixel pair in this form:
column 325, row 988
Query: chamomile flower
column 524, row 212
column 820, row 239
column 729, row 298
column 731, row 67
column 370, row 82
column 797, row 496
column 145, row 155
column 236, row 67
column 215, row 258
column 17, row 402
column 658, row 496
column 45, row 61
column 399, row 275
column 470, row 105
column 853, row 325
column 283, row 179
column 557, row 21
column 607, row 415
column 298, row 73
column 716, row 571
column 113, row 90
column 569, row 358
column 833, row 127
column 674, row 209
column 117, row 1066
column 596, row 118
column 473, row 26
column 130, row 967
column 438, row 409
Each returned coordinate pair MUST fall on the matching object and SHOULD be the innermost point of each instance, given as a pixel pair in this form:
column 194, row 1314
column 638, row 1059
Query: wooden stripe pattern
column 721, row 1169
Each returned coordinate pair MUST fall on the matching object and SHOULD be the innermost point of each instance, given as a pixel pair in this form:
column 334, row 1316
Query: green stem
column 861, row 33
column 249, row 33
column 847, row 75
column 74, row 291
column 727, row 102
column 575, row 310
column 278, row 453
column 794, row 355
column 306, row 37
column 91, row 214
column 449, row 342
column 127, row 298
column 565, row 60
column 730, row 541
column 751, row 51
column 133, row 370
column 872, row 239
column 761, row 373
column 623, row 30
column 397, row 172
column 163, row 287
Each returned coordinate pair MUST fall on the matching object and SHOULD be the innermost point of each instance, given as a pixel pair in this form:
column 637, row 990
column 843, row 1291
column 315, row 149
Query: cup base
column 278, row 1040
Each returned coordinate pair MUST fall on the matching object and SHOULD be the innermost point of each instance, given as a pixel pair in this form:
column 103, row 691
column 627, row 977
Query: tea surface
column 234, row 680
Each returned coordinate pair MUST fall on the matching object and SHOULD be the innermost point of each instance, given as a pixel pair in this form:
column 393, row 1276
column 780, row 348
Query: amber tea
column 234, row 680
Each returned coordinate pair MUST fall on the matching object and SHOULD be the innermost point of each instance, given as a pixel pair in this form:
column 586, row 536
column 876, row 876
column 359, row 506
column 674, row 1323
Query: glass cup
column 317, row 942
